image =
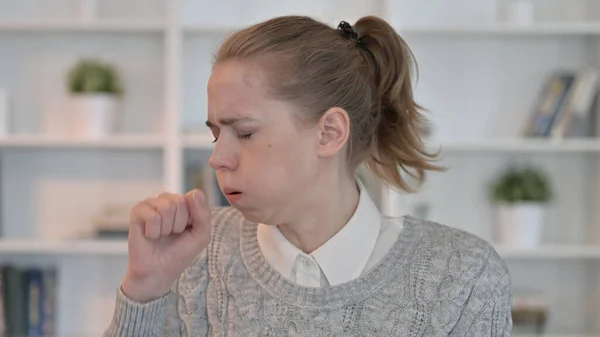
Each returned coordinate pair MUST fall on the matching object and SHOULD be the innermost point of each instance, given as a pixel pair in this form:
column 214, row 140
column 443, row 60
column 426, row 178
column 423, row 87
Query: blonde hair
column 364, row 69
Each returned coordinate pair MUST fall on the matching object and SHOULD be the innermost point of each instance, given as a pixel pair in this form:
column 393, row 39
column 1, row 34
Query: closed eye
column 245, row 136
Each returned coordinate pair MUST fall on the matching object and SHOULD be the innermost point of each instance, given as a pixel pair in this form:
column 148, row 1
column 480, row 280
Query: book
column 567, row 107
column 48, row 302
column 28, row 301
column 574, row 117
column 14, row 280
column 3, row 331
column 35, row 294
column 549, row 104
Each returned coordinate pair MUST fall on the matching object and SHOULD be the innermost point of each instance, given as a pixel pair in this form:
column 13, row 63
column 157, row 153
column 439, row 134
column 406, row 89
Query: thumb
column 199, row 214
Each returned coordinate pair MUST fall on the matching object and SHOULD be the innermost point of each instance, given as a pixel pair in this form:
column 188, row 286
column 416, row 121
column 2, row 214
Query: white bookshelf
column 76, row 27
column 99, row 247
column 200, row 141
column 203, row 29
column 478, row 78
column 550, row 252
column 125, row 142
column 546, row 335
column 118, row 247
column 519, row 146
column 556, row 29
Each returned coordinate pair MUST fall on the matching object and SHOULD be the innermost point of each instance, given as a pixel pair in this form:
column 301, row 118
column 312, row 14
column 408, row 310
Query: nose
column 222, row 158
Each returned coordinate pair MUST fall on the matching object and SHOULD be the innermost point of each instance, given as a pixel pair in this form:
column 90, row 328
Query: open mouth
column 229, row 191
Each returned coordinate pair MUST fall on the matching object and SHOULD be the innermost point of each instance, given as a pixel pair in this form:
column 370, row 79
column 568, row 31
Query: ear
column 334, row 130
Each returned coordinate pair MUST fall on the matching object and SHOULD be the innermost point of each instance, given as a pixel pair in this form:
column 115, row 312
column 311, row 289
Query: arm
column 181, row 312
column 487, row 314
column 156, row 318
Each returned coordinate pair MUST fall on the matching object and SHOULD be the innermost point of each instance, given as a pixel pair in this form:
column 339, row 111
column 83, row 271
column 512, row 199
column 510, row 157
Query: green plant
column 525, row 184
column 94, row 76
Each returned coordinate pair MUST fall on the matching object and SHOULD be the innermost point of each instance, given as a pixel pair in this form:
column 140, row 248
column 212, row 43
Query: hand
column 165, row 234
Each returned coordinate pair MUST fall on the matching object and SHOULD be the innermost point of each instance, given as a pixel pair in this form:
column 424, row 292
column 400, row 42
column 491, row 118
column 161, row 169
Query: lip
column 228, row 190
column 233, row 198
column 232, row 195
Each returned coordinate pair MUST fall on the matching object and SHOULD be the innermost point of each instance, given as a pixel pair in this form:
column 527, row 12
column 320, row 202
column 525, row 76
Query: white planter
column 87, row 11
column 519, row 224
column 93, row 116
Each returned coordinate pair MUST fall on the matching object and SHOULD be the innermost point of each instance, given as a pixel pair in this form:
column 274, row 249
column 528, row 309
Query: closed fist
column 166, row 233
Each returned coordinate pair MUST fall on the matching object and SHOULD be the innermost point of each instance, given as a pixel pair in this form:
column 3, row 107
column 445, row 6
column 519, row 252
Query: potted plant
column 520, row 197
column 95, row 89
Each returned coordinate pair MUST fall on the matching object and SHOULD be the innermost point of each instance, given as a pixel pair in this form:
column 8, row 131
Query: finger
column 200, row 215
column 182, row 213
column 146, row 220
column 167, row 209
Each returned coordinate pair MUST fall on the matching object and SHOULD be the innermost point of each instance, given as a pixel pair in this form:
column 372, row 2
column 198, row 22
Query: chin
column 254, row 215
column 250, row 214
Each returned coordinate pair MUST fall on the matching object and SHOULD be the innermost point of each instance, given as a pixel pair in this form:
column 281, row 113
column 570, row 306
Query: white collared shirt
column 356, row 248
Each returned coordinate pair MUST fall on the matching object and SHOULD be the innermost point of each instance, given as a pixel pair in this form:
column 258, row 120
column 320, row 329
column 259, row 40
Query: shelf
column 123, row 142
column 62, row 26
column 210, row 29
column 549, row 28
column 501, row 29
column 205, row 141
column 119, row 247
column 552, row 335
column 64, row 247
column 518, row 145
column 551, row 252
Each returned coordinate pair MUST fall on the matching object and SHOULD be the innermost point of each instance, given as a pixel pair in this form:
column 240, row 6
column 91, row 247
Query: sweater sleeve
column 494, row 318
column 170, row 315
column 487, row 316
column 156, row 318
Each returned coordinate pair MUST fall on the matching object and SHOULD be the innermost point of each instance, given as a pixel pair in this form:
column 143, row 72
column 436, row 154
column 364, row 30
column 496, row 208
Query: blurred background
column 103, row 103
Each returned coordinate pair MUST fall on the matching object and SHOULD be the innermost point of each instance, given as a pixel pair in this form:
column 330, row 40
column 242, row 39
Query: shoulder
column 461, row 278
column 456, row 274
column 458, row 258
column 453, row 243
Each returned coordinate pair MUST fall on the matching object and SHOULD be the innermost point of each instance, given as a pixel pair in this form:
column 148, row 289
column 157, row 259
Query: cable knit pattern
column 435, row 281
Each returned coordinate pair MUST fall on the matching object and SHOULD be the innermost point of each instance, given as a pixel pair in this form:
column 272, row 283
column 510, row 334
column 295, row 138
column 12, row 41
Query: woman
column 295, row 107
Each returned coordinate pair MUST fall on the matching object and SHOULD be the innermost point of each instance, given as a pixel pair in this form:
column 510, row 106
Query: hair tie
column 348, row 31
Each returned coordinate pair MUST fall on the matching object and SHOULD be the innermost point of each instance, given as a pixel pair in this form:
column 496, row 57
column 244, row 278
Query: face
column 264, row 157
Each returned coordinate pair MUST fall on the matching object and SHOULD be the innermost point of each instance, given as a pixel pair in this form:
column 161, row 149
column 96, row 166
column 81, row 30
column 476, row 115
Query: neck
column 325, row 212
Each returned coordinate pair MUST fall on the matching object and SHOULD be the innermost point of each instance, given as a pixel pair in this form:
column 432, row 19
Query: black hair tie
column 348, row 31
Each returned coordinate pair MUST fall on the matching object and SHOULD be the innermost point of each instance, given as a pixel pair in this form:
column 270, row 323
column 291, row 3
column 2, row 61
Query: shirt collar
column 343, row 257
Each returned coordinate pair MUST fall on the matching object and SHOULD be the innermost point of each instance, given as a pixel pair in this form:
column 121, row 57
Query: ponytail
column 397, row 140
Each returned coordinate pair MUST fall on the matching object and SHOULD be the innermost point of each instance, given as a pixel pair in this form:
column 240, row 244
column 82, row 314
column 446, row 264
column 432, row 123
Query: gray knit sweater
column 434, row 281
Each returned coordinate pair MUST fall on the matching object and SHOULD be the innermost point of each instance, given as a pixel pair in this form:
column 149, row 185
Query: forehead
column 234, row 85
column 234, row 75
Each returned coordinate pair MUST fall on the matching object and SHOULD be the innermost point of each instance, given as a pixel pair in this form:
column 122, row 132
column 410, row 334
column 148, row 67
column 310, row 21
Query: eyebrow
column 229, row 121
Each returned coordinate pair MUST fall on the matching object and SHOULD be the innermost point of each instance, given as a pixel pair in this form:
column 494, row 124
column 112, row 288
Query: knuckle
column 164, row 194
column 172, row 205
column 180, row 200
column 154, row 217
column 165, row 208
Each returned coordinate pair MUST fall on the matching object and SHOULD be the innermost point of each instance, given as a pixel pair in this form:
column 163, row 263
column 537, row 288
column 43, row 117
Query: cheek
column 293, row 159
column 282, row 162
